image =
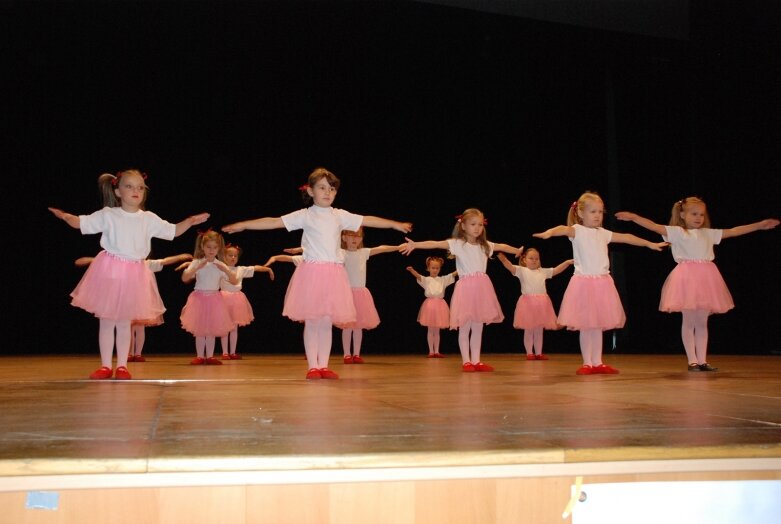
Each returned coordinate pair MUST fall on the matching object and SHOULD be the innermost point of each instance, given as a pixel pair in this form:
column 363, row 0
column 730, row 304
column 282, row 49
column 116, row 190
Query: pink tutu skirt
column 474, row 300
column 115, row 288
column 434, row 312
column 239, row 308
column 206, row 315
column 148, row 323
column 591, row 302
column 318, row 290
column 366, row 316
column 533, row 311
column 695, row 284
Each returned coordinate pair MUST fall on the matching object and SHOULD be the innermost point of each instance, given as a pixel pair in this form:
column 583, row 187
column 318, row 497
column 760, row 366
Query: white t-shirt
column 355, row 265
column 209, row 277
column 127, row 235
column 242, row 272
column 692, row 244
column 470, row 258
column 434, row 287
column 322, row 227
column 533, row 280
column 589, row 249
column 154, row 265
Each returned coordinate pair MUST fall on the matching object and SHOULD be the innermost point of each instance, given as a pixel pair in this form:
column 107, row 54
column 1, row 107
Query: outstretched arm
column 279, row 258
column 510, row 250
column 769, row 223
column 384, row 249
column 384, row 223
column 626, row 238
column 264, row 269
column 83, row 261
column 294, row 250
column 628, row 216
column 257, row 224
column 414, row 273
column 506, row 263
column 411, row 245
column 72, row 220
column 167, row 261
column 561, row 267
column 557, row 231
column 189, row 222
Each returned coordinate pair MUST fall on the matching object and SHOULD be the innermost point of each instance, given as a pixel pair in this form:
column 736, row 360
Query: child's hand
column 233, row 228
column 769, row 223
column 659, row 246
column 404, row 227
column 270, row 273
column 410, row 269
column 519, row 253
column 199, row 219
column 59, row 213
column 626, row 216
column 407, row 248
column 545, row 235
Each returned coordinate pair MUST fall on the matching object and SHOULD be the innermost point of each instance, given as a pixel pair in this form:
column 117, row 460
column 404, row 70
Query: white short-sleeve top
column 242, row 272
column 127, row 235
column 207, row 278
column 533, row 280
column 589, row 249
column 692, row 244
column 355, row 265
column 470, row 258
column 322, row 227
column 434, row 287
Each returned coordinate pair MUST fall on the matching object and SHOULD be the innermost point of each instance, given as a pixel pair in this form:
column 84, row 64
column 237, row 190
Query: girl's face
column 351, row 241
column 210, row 250
column 433, row 268
column 693, row 215
column 231, row 256
column 130, row 191
column 472, row 227
column 592, row 213
column 532, row 259
column 322, row 193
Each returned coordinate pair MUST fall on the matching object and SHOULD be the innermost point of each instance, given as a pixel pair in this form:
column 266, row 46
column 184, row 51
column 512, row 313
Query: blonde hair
column 238, row 249
column 458, row 230
column 680, row 206
column 580, row 205
column 314, row 178
column 357, row 233
column 107, row 183
column 440, row 260
column 526, row 252
column 207, row 236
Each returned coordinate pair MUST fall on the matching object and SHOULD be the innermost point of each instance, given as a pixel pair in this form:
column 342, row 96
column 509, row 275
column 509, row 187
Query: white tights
column 204, row 346
column 229, row 341
column 357, row 338
column 317, row 342
column 591, row 346
column 432, row 336
column 106, row 341
column 694, row 332
column 470, row 340
column 532, row 339
column 137, row 339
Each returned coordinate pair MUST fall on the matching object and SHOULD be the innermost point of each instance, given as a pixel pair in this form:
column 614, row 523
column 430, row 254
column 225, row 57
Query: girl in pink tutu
column 206, row 314
column 118, row 287
column 474, row 301
column 238, row 306
column 355, row 258
column 138, row 327
column 319, row 291
column 534, row 310
column 695, row 286
column 434, row 312
column 591, row 303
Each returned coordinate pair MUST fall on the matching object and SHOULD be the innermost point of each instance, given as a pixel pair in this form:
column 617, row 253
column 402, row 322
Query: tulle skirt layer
column 695, row 285
column 366, row 316
column 591, row 302
column 319, row 290
column 239, row 308
column 533, row 311
column 206, row 315
column 434, row 312
column 114, row 288
column 148, row 322
column 474, row 300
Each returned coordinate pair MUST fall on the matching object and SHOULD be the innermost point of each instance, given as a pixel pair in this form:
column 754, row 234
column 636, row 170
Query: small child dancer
column 534, row 309
column 695, row 286
column 238, row 306
column 355, row 258
column 319, row 290
column 474, row 301
column 205, row 314
column 138, row 327
column 591, row 303
column 434, row 313
column 118, row 287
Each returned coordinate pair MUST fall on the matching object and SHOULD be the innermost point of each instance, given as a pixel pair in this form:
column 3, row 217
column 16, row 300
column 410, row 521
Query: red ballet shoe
column 530, row 357
column 604, row 369
column 122, row 373
column 213, row 361
column 541, row 357
column 348, row 359
column 313, row 374
column 197, row 361
column 585, row 370
column 235, row 356
column 483, row 367
column 101, row 374
column 357, row 360
column 468, row 367
column 327, row 373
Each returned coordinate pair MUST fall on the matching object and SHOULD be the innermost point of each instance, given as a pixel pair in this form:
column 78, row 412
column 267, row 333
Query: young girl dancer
column 319, row 290
column 434, row 312
column 138, row 327
column 695, row 286
column 534, row 310
column 591, row 303
column 118, row 287
column 474, row 301
column 238, row 306
column 205, row 314
column 355, row 258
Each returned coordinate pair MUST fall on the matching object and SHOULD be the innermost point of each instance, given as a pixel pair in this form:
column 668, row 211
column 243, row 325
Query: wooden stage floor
column 259, row 414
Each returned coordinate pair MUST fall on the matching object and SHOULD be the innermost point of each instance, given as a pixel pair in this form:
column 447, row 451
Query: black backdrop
column 422, row 110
